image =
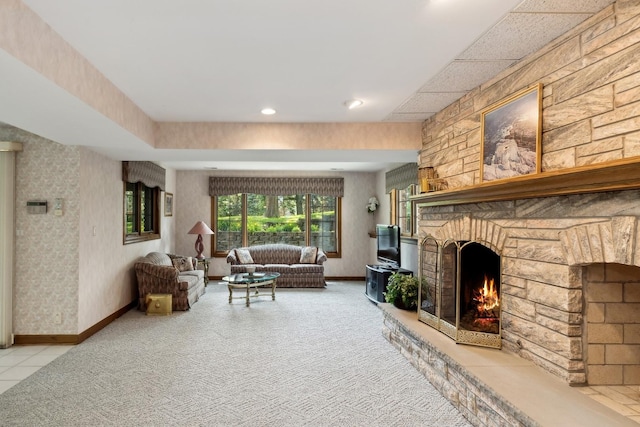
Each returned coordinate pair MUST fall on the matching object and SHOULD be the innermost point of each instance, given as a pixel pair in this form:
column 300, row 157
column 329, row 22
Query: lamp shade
column 200, row 228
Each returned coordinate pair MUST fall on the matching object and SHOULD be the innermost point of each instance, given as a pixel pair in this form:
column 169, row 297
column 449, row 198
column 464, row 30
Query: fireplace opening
column 479, row 289
column 460, row 293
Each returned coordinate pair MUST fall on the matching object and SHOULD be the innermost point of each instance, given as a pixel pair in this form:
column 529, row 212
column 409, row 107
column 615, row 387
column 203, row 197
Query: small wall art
column 168, row 204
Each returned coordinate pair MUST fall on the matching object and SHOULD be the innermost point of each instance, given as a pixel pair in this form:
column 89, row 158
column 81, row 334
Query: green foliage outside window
column 275, row 219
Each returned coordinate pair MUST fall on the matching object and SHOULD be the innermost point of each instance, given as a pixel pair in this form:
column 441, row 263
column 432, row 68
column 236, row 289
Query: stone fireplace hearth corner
column 493, row 387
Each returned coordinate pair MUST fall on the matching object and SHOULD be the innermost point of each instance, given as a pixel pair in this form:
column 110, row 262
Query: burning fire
column 486, row 299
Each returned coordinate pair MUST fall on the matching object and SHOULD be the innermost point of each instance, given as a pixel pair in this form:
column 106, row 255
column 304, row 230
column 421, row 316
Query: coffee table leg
column 248, row 295
column 273, row 291
column 230, row 292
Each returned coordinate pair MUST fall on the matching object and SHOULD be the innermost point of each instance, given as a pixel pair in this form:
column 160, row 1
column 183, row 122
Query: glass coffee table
column 247, row 281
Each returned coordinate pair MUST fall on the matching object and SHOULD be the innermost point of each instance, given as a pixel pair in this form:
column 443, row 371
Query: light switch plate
column 57, row 207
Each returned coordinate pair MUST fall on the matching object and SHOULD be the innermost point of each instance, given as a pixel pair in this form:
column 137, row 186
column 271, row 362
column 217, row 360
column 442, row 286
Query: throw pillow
column 308, row 255
column 183, row 263
column 244, row 256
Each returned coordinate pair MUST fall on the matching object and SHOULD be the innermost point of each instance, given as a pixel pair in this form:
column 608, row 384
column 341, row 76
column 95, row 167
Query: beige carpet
column 313, row 357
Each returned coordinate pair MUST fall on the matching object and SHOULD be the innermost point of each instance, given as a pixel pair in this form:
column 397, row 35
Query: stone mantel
column 610, row 176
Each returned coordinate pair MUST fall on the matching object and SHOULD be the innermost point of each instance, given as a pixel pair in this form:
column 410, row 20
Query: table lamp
column 200, row 228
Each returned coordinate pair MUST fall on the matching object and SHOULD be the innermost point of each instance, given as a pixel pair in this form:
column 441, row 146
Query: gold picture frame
column 511, row 136
column 168, row 204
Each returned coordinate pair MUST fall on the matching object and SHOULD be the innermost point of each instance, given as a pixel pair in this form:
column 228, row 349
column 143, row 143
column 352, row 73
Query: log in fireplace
column 460, row 292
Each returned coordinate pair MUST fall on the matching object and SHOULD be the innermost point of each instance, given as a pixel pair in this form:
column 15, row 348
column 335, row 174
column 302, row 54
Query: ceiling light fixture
column 353, row 103
column 268, row 111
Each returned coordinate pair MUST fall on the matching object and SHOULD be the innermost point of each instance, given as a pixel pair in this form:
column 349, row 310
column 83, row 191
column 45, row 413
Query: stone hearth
column 553, row 251
column 493, row 387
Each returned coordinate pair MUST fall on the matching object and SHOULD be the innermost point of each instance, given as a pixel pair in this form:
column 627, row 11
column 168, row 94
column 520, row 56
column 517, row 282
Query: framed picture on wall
column 168, row 204
column 511, row 134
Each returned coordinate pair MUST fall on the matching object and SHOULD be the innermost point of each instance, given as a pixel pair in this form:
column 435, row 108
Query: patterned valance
column 226, row 185
column 148, row 173
column 402, row 177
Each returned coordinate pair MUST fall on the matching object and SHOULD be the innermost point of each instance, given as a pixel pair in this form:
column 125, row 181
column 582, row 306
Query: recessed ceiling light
column 268, row 111
column 353, row 103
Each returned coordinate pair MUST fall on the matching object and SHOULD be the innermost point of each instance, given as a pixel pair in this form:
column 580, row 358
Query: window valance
column 226, row 185
column 402, row 177
column 148, row 173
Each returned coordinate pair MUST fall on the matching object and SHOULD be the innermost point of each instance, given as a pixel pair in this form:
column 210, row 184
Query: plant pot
column 398, row 303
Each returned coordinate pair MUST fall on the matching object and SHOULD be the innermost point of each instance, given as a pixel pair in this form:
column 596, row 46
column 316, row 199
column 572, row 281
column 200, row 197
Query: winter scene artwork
column 511, row 136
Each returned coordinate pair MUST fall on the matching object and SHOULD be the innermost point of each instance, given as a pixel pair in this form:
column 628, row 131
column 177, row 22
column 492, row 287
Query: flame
column 487, row 298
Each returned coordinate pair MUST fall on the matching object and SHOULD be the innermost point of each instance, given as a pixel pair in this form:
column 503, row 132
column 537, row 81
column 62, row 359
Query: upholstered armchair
column 160, row 273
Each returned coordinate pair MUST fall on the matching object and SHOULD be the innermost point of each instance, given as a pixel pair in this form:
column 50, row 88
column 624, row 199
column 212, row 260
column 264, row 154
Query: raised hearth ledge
column 611, row 176
column 489, row 386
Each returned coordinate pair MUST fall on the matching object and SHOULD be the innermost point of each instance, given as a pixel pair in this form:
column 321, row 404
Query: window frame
column 396, row 199
column 140, row 235
column 245, row 234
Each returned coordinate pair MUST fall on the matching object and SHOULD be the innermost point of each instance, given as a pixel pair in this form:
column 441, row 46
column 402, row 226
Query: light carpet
column 312, row 357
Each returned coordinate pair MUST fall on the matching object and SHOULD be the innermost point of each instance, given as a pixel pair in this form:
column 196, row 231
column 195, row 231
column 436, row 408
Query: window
column 405, row 210
column 141, row 212
column 401, row 184
column 297, row 219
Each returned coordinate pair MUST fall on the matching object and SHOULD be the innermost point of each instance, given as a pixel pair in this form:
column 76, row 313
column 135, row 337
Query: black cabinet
column 377, row 278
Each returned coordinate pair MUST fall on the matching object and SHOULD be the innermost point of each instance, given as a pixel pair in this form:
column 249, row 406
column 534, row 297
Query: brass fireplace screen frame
column 432, row 275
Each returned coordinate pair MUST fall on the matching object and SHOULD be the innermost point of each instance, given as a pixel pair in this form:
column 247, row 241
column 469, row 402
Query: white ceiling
column 223, row 60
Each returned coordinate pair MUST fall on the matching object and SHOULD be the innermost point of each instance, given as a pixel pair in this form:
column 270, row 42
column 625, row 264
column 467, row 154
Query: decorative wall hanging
column 511, row 134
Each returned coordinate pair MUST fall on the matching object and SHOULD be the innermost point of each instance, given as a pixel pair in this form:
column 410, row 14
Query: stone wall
column 591, row 113
column 542, row 276
column 612, row 295
column 591, row 82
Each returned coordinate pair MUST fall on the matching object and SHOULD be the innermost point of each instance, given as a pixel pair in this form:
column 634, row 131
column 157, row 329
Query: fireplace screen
column 460, row 293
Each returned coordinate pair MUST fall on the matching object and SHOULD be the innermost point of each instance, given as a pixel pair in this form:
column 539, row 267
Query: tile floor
column 622, row 399
column 18, row 362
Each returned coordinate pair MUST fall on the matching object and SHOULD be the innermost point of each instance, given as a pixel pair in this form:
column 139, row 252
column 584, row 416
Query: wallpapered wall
column 107, row 279
column 46, row 273
column 61, row 267
column 193, row 204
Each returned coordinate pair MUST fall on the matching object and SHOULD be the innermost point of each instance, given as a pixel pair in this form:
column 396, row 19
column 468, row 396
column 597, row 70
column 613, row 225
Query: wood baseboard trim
column 71, row 339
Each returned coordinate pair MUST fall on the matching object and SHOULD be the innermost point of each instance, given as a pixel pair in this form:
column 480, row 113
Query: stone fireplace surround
column 570, row 294
column 546, row 245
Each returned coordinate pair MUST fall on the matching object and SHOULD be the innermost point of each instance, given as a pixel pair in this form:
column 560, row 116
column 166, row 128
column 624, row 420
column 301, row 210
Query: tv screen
column 388, row 245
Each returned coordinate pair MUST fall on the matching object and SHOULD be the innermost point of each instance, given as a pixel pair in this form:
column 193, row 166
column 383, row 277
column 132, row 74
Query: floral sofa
column 299, row 266
column 160, row 273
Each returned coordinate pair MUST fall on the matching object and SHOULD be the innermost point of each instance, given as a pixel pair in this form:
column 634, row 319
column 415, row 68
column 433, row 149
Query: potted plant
column 402, row 291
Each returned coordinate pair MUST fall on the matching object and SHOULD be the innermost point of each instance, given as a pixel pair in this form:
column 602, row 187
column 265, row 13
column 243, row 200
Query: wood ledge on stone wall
column 610, row 176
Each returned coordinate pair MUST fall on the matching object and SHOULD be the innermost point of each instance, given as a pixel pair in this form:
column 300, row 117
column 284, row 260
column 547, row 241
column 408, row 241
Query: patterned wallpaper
column 193, row 204
column 61, row 266
column 46, row 273
column 107, row 280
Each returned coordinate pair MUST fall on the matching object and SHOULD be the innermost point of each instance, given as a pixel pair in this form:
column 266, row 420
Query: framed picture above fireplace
column 511, row 134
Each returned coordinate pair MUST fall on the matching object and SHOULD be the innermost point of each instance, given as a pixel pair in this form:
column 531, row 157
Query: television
column 388, row 245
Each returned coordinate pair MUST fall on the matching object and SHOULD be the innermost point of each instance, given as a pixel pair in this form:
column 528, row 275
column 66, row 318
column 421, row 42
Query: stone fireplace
column 566, row 236
column 569, row 284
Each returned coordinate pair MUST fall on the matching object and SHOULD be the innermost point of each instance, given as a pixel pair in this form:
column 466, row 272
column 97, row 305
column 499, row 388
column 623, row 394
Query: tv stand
column 377, row 278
